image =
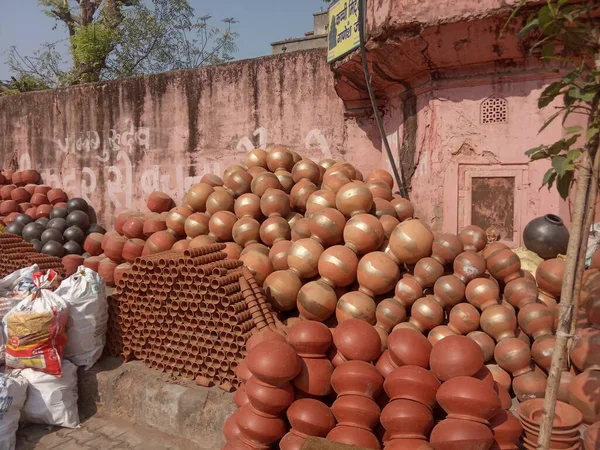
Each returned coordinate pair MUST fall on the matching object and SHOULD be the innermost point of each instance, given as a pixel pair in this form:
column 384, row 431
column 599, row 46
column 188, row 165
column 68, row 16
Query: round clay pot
column 520, row 292
column 529, row 385
column 238, row 183
column 412, row 383
column 300, row 193
column 176, row 220
column 591, row 440
column 159, row 202
column 269, row 399
column 446, row 247
column 56, row 196
column 473, row 238
column 410, row 241
column 306, row 169
column 448, row 291
column 338, row 266
column 316, row 300
column 382, row 208
column 133, row 228
column 319, row 200
column 388, row 223
column 30, row 176
column 427, row 271
column 195, row 225
column 357, row 340
column 356, row 411
column 309, row 338
column 132, row 249
column 407, row 419
column 536, row 320
column 389, row 313
column 357, row 378
column 219, row 200
column 463, row 318
column 281, row 289
column 279, row 253
column 106, row 269
column 275, row 202
column 513, row 355
column 468, row 266
column 549, row 276
column 404, row 208
column 245, row 231
column 114, row 247
column 275, row 229
column 20, row 195
column 485, row 342
column 310, row 417
column 355, row 305
column 258, row 429
column 351, row 435
column 300, row 228
column 212, row 180
column 327, row 227
column 547, row 236
column 438, row 333
column 303, row 257
column 585, row 351
column 377, row 274
column 506, row 429
column 482, row 293
column 592, row 309
column 409, row 347
column 456, row 434
column 354, row 198
column 248, row 205
column 382, row 176
column 468, row 398
column 426, row 313
column 256, row 158
column 504, row 265
column 408, row 290
column 259, row 264
column 363, row 233
column 273, row 362
column 280, row 158
column 160, row 241
column 198, row 195
column 455, row 356
column 379, row 190
column 499, row 322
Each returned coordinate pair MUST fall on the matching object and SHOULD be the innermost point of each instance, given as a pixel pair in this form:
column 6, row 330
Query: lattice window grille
column 494, row 110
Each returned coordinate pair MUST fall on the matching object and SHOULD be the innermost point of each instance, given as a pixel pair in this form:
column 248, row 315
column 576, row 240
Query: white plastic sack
column 52, row 400
column 13, row 392
column 19, row 280
column 85, row 294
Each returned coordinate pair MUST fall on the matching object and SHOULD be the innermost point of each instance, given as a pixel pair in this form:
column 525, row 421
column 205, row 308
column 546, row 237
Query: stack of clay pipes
column 16, row 254
column 188, row 314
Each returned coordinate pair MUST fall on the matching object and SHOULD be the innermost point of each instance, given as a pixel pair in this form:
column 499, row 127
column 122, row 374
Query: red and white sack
column 85, row 294
column 35, row 329
column 13, row 392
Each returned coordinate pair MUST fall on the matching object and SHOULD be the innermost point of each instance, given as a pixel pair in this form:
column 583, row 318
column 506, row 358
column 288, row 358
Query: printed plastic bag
column 20, row 280
column 13, row 392
column 51, row 400
column 35, row 329
column 85, row 294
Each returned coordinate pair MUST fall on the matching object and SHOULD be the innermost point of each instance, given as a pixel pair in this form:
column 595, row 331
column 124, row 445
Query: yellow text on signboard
column 343, row 28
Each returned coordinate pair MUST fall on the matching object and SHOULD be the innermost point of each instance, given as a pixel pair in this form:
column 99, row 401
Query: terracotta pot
column 565, row 382
column 319, row 200
column 549, row 276
column 30, row 176
column 211, row 179
column 566, row 418
column 353, row 436
column 273, row 362
column 198, row 195
column 238, row 183
column 259, row 264
column 485, row 342
column 259, row 429
column 438, row 333
column 93, row 244
column 275, row 202
column 269, row 399
column 300, row 228
column 310, row 339
column 379, row 190
column 176, row 220
column 310, row 417
column 281, row 288
column 316, row 300
column 513, row 355
column 155, row 224
column 456, row 356
column 357, row 340
column 408, row 290
column 520, row 292
column 592, row 437
column 114, row 247
column 410, row 241
column 6, row 190
column 381, row 176
column 585, row 351
column 303, row 257
column 529, row 385
column 256, row 158
column 258, row 247
column 275, row 229
column 56, row 196
column 159, row 202
column 388, row 223
column 106, row 269
column 592, row 309
column 536, row 320
column 383, row 208
column 426, row 313
column 160, row 242
column 327, row 227
column 247, row 205
column 306, row 169
column 357, row 378
column 468, row 266
column 279, row 158
column 446, row 247
column 407, row 419
column 132, row 249
column 71, row 263
column 482, row 293
column 300, row 193
column 456, row 434
column 278, row 254
column 504, row 265
column 355, row 305
column 506, row 429
column 356, row 411
column 266, row 335
column 354, row 198
column 474, row 238
column 412, row 383
column 245, row 231
column 409, row 347
column 20, row 195
column 219, row 200
column 427, row 271
column 363, row 233
column 389, row 313
column 547, row 236
column 448, row 291
column 467, row 398
column 404, row 208
column 338, row 265
column 377, row 274
column 463, row 319
column 499, row 322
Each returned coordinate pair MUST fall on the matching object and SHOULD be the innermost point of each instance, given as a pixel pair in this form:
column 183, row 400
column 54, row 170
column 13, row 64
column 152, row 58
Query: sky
column 260, row 22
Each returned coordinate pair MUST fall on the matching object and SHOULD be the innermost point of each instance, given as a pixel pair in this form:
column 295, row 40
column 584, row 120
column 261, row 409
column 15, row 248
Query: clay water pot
column 269, row 399
column 198, row 195
column 446, row 247
column 275, row 202
column 513, row 355
column 303, row 257
column 259, row 264
column 338, row 266
column 357, row 378
column 408, row 290
column 357, row 340
column 231, row 169
column 133, row 228
column 114, row 247
column 529, row 385
column 463, row 319
column 448, row 291
column 316, row 300
column 132, row 249
column 310, row 339
column 384, row 364
column 473, row 238
column 377, row 274
column 71, row 263
column 160, row 242
column 5, row 191
column 506, row 429
column 232, row 250
column 300, row 228
column 404, row 208
column 219, row 200
column 412, row 383
column 327, row 227
column 380, row 175
column 334, row 180
column 155, row 224
column 455, row 356
column 504, row 265
column 256, row 158
column 281, row 289
column 258, row 429
column 181, row 245
column 355, row 305
column 245, row 231
column 300, row 193
column 30, row 176
column 279, row 253
column 211, row 179
column 438, row 333
column 379, row 190
column 485, row 342
column 356, row 411
column 468, row 266
column 275, row 229
column 248, row 205
column 92, row 244
column 201, row 241
column 319, row 200
column 427, row 271
column 547, row 236
column 407, row 419
column 499, row 322
column 457, row 434
column 536, row 320
column 520, row 292
column 363, row 233
column 354, row 198
column 585, row 350
column 273, row 362
column 592, row 309
column 258, row 247
column 549, row 276
column 426, row 313
column 409, row 347
column 468, row 398
column 309, row 417
column 306, row 170
column 354, row 436
column 56, row 196
column 389, row 313
column 505, row 399
column 20, row 195
column 382, row 208
column 565, row 382
column 482, row 293
column 238, row 183
column 106, row 269
column 389, row 223
column 176, row 220
column 410, row 241
column 159, row 202
column 280, row 158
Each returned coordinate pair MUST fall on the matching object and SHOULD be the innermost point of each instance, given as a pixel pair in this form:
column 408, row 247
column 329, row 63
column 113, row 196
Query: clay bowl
column 558, row 443
column 531, row 444
column 555, row 433
column 566, row 416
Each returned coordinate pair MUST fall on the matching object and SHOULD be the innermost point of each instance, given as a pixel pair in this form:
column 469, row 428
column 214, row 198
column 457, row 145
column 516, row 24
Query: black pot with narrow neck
column 547, row 236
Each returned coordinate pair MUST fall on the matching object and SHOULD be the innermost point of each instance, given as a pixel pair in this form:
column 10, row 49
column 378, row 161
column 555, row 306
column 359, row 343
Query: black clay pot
column 79, row 219
column 59, row 212
column 95, row 228
column 33, row 231
column 37, row 245
column 23, row 219
column 74, row 234
column 52, row 234
column 43, row 221
column 547, row 236
column 15, row 228
column 77, row 204
column 53, row 248
column 59, row 223
column 73, row 248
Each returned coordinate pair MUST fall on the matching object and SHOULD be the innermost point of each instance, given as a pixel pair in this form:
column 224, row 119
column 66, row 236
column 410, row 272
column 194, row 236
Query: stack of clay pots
column 187, row 314
column 565, row 429
column 16, row 254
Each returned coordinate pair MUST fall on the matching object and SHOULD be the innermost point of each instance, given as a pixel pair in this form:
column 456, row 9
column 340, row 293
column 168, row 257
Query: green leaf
column 563, row 184
column 591, row 132
column 556, row 148
column 573, row 154
column 548, row 50
column 559, row 162
column 531, row 25
column 571, row 130
column 550, row 93
column 575, row 92
column 548, row 176
column 539, row 155
column 549, row 121
column 545, row 17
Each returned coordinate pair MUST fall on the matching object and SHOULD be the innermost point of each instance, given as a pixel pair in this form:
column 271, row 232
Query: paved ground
column 97, row 433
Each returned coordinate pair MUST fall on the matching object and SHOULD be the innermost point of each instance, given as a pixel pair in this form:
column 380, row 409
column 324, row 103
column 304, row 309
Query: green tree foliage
column 111, row 39
column 567, row 37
